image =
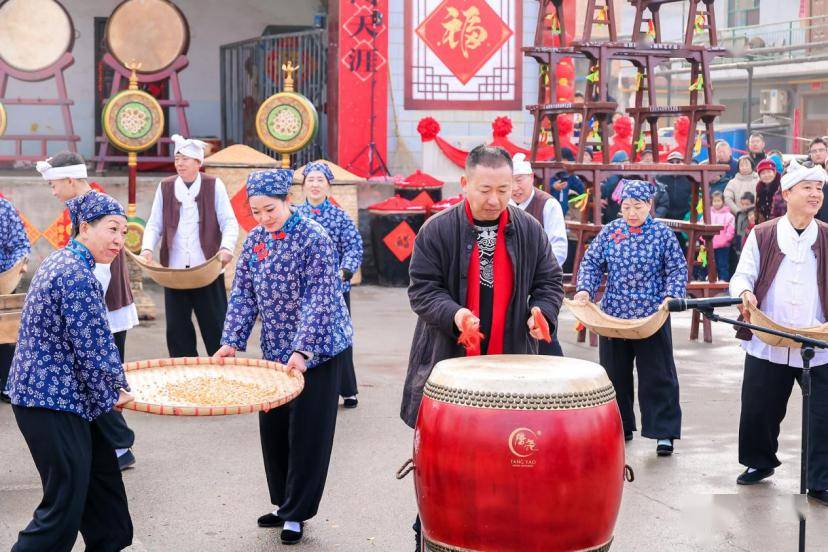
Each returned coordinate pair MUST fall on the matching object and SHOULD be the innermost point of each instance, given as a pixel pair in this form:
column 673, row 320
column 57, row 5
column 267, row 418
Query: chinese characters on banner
column 463, row 54
column 359, row 33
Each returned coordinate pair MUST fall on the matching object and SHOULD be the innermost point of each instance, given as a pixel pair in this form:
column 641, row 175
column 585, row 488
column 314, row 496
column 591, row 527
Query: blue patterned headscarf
column 92, row 206
column 321, row 167
column 270, row 182
column 637, row 189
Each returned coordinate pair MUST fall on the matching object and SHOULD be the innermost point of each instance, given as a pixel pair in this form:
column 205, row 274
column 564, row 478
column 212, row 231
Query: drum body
column 518, row 453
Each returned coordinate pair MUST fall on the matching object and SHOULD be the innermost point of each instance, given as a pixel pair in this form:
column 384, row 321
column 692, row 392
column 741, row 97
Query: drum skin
column 498, row 479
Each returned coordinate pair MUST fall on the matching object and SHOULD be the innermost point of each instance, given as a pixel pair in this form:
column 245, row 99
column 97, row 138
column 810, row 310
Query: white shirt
column 124, row 318
column 793, row 298
column 553, row 225
column 185, row 249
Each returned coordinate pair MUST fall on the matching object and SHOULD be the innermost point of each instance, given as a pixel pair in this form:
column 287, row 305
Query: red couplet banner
column 358, row 85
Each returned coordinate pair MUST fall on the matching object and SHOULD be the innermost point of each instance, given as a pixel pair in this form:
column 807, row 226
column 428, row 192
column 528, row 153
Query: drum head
column 35, row 33
column 516, row 374
column 150, row 32
column 133, row 120
column 286, row 122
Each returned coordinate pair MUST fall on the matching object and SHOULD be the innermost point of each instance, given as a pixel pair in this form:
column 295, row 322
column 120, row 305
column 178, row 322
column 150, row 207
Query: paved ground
column 199, row 483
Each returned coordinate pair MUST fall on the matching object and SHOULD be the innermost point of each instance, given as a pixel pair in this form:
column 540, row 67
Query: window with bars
column 742, row 12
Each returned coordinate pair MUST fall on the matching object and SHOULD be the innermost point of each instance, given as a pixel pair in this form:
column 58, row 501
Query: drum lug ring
column 406, row 468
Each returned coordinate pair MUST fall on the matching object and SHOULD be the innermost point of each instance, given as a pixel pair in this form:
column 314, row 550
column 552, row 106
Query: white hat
column 48, row 172
column 520, row 165
column 797, row 173
column 189, row 147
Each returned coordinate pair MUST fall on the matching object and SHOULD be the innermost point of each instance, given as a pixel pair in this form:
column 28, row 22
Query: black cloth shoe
column 350, row 403
column 754, row 477
column 665, row 450
column 819, row 496
column 293, row 537
column 270, row 520
column 126, row 460
column 5, row 397
column 628, row 436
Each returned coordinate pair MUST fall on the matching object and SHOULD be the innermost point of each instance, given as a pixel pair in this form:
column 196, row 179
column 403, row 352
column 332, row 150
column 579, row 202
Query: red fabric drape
column 503, row 285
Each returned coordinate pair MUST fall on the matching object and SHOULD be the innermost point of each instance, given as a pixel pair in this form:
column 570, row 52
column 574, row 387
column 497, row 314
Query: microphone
column 679, row 305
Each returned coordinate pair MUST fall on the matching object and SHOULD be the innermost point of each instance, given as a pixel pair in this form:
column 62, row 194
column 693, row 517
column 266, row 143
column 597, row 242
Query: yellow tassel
column 698, row 85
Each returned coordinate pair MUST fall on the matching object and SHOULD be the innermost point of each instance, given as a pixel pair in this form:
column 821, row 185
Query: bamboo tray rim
column 206, row 410
column 614, row 327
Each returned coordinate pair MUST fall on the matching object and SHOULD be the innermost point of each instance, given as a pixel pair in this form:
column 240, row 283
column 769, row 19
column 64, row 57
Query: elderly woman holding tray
column 348, row 245
column 65, row 374
column 644, row 265
column 288, row 275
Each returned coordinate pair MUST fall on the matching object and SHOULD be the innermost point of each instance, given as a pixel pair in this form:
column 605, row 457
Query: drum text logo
column 523, row 444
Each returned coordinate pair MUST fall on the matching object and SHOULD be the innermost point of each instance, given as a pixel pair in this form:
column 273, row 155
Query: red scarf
column 502, row 286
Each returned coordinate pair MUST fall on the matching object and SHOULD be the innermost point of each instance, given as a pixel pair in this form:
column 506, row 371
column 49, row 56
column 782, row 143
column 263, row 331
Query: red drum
column 518, row 452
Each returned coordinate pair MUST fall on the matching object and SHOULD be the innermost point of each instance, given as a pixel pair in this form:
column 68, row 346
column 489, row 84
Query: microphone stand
column 807, row 352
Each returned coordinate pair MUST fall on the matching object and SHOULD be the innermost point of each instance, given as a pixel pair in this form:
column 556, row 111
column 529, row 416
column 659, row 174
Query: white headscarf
column 797, row 173
column 48, row 172
column 189, row 147
column 520, row 165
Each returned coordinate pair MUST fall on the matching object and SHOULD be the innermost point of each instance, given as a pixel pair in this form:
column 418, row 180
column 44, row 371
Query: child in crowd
column 720, row 215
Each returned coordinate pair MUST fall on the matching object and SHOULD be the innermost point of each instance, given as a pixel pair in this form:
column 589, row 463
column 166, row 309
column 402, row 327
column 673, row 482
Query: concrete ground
column 199, row 484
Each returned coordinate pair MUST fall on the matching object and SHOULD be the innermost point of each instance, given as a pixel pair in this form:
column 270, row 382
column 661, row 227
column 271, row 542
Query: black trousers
column 82, row 486
column 347, row 377
column 766, row 389
column 210, row 306
column 112, row 425
column 551, row 349
column 658, row 386
column 6, row 356
column 296, row 443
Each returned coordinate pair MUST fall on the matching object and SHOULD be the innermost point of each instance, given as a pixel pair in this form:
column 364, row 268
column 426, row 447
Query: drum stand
column 177, row 101
column 807, row 352
column 53, row 71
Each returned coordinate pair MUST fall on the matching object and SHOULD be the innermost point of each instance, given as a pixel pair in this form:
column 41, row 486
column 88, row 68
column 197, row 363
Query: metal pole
column 749, row 101
column 807, row 354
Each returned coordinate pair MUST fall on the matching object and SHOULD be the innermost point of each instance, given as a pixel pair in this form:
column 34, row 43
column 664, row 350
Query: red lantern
column 565, row 93
column 565, row 71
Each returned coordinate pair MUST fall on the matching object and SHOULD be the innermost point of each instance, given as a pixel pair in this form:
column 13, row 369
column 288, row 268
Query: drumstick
column 542, row 324
column 470, row 336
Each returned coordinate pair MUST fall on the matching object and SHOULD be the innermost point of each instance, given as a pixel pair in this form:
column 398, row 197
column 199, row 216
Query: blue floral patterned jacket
column 66, row 357
column 343, row 232
column 644, row 266
column 290, row 279
column 14, row 243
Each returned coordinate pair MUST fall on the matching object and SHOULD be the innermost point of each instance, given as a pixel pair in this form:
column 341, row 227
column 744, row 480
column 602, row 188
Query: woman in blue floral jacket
column 14, row 245
column 644, row 265
column 287, row 275
column 65, row 374
column 348, row 244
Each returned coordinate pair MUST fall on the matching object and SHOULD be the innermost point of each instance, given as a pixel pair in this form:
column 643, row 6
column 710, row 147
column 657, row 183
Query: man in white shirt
column 547, row 211
column 193, row 220
column 783, row 270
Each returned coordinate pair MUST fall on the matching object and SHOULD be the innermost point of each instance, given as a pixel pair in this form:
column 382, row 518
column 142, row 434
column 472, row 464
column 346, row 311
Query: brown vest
column 535, row 207
column 119, row 294
column 770, row 258
column 209, row 231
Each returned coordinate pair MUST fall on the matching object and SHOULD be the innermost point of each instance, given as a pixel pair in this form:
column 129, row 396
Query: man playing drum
column 480, row 265
column 783, row 271
column 193, row 219
column 644, row 265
